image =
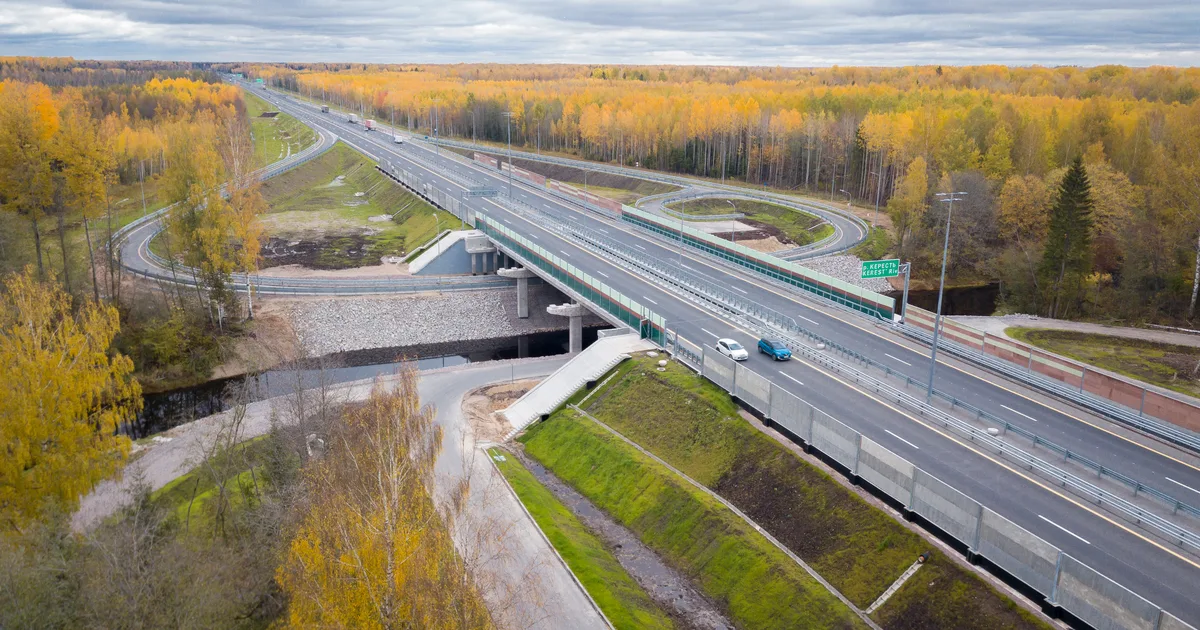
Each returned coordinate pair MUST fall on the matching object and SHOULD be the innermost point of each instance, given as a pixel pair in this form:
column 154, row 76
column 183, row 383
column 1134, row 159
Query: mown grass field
column 799, row 227
column 309, row 203
column 859, row 549
column 277, row 137
column 623, row 601
column 756, row 584
column 1166, row 365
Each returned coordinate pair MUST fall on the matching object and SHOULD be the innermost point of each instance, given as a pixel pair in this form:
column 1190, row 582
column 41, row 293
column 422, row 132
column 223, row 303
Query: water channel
column 164, row 410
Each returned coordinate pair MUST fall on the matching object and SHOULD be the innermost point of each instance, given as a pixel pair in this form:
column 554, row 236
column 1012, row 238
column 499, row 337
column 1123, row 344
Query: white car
column 732, row 349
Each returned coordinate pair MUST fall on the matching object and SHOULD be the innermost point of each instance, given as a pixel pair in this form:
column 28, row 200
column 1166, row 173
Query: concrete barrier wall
column 1171, row 622
column 835, row 439
column 791, row 413
column 1012, row 548
column 1099, row 601
column 952, row 511
column 718, row 368
column 528, row 176
column 886, row 470
column 753, row 388
column 1117, row 390
column 1064, row 581
column 487, row 159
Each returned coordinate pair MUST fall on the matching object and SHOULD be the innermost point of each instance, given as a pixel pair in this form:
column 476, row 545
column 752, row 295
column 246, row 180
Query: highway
column 1119, row 550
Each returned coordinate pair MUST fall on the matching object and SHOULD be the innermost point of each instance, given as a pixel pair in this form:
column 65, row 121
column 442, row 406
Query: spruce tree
column 1068, row 244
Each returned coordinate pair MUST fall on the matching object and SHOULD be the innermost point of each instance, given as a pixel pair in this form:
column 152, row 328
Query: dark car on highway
column 775, row 348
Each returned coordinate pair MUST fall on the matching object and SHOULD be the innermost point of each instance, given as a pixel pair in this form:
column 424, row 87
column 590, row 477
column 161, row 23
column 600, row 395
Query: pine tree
column 1068, row 245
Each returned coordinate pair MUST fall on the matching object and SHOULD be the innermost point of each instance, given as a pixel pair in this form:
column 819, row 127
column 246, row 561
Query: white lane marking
column 532, row 235
column 649, row 300
column 708, row 331
column 745, row 292
column 639, row 247
column 564, row 253
column 685, row 266
column 602, row 273
column 897, row 359
column 602, row 230
column 813, row 322
column 902, row 439
column 1182, row 484
column 791, row 377
column 1064, row 529
column 1019, row 413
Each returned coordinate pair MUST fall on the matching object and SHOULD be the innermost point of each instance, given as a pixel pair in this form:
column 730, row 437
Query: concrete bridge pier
column 522, row 275
column 576, row 313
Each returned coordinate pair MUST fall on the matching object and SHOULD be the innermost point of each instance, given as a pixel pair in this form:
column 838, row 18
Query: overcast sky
column 742, row 32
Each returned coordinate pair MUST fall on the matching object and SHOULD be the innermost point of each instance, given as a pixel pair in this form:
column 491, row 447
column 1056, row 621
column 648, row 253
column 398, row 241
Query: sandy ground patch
column 385, row 269
column 481, row 406
column 766, row 245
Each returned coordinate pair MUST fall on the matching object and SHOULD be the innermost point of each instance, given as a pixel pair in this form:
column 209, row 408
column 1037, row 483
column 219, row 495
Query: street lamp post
column 937, row 320
column 843, row 190
column 438, row 227
column 508, row 117
column 733, row 224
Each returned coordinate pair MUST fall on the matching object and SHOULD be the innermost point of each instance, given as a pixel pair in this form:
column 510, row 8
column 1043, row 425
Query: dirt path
column 996, row 325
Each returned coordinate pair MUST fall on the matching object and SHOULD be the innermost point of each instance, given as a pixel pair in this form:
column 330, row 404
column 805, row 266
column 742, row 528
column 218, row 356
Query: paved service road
column 1115, row 548
column 524, row 583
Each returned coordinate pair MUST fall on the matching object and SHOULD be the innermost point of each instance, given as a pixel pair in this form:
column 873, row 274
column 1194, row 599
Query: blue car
column 775, row 348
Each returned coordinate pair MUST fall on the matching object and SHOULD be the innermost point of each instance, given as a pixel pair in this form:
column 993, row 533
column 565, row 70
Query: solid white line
column 896, row 359
column 639, row 247
column 902, row 439
column 685, row 266
column 602, row 273
column 649, row 300
column 602, row 230
column 791, row 377
column 1019, row 413
column 1064, row 529
column 809, row 320
column 564, row 253
column 708, row 331
column 1182, row 484
column 742, row 290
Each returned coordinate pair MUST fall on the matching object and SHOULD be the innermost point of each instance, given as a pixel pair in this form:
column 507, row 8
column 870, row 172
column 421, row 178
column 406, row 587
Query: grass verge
column 877, row 245
column 859, row 549
column 754, row 582
column 333, row 221
column 1166, row 365
column 798, row 227
column 623, row 601
column 275, row 137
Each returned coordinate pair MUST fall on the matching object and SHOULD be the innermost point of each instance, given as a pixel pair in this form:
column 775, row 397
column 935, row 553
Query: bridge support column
column 474, row 263
column 522, row 275
column 576, row 313
column 523, row 347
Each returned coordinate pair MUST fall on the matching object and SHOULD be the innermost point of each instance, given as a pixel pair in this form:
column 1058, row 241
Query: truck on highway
column 324, row 109
column 353, row 119
column 398, row 139
column 369, row 124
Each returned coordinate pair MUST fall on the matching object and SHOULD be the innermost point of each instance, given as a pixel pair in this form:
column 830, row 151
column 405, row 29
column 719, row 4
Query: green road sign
column 889, row 268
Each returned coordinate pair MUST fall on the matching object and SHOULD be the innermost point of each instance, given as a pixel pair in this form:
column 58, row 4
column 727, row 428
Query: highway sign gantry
column 887, row 268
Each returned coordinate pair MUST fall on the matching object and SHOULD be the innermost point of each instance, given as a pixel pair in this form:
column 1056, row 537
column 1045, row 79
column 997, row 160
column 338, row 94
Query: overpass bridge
column 684, row 291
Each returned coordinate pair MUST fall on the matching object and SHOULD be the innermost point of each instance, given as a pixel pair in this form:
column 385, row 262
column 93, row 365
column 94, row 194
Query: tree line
column 895, row 136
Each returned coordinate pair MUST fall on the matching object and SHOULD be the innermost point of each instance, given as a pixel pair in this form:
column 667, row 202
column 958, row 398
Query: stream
column 164, row 410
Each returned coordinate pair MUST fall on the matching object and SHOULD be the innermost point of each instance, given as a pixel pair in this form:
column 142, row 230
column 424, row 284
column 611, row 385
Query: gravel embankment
column 847, row 268
column 339, row 325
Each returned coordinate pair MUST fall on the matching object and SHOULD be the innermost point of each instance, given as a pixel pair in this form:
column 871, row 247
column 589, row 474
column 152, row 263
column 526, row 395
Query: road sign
column 889, row 268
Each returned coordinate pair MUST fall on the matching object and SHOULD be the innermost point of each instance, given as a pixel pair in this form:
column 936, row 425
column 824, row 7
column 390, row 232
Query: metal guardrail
column 1122, row 414
column 1063, row 581
column 820, row 208
column 771, row 323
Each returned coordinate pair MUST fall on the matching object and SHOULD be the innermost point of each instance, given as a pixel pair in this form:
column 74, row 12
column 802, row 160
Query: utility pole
column 733, row 224
column 937, row 320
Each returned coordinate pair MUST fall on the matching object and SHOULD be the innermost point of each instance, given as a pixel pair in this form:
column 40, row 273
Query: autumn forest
column 1006, row 136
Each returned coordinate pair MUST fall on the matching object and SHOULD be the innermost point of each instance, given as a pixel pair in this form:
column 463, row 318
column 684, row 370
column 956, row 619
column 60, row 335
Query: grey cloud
column 756, row 32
